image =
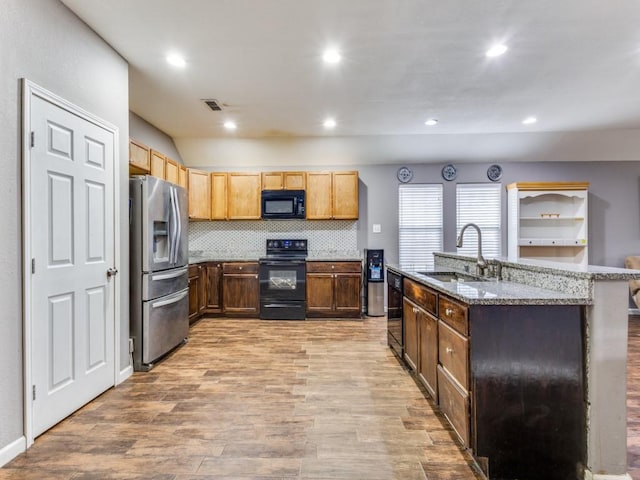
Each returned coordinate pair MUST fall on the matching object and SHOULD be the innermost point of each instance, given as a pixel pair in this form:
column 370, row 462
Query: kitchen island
column 530, row 370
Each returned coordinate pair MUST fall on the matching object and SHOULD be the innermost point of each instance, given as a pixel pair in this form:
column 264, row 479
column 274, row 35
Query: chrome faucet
column 481, row 265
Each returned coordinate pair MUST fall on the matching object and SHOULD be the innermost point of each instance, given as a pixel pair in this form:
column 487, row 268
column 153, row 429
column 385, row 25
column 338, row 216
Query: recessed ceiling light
column 496, row 50
column 329, row 123
column 176, row 60
column 431, row 122
column 229, row 125
column 529, row 120
column 331, row 56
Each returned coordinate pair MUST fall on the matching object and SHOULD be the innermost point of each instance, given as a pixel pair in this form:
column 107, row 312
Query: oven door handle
column 283, row 262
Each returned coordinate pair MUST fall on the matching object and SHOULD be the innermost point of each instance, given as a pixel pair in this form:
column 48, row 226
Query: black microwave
column 282, row 204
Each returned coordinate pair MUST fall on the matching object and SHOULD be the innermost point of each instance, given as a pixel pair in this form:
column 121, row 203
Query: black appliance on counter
column 282, row 276
column 394, row 313
column 374, row 282
column 282, row 204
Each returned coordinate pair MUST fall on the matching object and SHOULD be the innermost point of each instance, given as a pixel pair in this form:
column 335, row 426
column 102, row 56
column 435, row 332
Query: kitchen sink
column 453, row 277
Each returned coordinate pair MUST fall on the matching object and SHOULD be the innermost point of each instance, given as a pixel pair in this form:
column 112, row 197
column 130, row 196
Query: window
column 480, row 203
column 419, row 224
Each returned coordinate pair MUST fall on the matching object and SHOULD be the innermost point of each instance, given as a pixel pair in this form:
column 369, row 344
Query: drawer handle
column 415, row 310
column 448, row 311
column 332, row 267
column 240, row 268
column 449, row 350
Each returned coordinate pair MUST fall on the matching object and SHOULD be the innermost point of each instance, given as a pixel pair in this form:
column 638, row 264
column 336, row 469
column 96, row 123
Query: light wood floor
column 251, row 399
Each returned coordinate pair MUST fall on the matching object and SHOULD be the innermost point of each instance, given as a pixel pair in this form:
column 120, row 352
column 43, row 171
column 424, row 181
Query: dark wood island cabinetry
column 508, row 378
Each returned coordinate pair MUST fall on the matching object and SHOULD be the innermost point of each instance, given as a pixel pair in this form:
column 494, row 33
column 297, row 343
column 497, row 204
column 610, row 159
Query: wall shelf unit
column 548, row 221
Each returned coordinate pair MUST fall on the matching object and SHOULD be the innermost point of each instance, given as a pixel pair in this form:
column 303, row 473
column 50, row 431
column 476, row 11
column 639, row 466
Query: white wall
column 143, row 131
column 41, row 40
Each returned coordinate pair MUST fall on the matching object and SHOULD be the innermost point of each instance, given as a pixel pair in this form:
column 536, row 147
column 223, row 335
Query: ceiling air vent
column 213, row 105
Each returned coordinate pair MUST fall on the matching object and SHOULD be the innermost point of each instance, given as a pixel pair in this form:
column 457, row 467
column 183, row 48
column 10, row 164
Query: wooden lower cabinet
column 410, row 324
column 196, row 292
column 240, row 289
column 334, row 289
column 508, row 378
column 213, row 287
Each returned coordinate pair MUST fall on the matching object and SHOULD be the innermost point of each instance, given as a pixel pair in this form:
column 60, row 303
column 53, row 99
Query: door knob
column 111, row 272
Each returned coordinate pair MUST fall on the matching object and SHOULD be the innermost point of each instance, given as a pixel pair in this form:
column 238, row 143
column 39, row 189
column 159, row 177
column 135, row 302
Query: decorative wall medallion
column 405, row 174
column 449, row 172
column 494, row 172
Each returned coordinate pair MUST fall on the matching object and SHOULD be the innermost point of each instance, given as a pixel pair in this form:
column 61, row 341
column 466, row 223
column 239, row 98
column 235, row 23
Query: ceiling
column 573, row 64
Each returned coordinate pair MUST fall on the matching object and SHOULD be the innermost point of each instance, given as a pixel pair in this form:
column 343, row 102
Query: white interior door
column 72, row 247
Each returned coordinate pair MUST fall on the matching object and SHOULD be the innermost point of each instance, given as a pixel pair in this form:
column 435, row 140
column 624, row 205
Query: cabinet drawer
column 421, row 295
column 454, row 314
column 453, row 353
column 454, row 403
column 334, row 267
column 240, row 267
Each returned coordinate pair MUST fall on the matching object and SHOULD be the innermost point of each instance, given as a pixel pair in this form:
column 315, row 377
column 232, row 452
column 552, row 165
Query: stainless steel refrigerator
column 158, row 221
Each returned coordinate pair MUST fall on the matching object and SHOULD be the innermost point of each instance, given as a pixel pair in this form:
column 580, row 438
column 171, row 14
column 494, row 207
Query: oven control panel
column 291, row 246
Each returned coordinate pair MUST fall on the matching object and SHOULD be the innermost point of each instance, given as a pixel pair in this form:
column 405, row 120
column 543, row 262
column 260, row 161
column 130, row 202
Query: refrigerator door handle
column 179, row 222
column 167, row 276
column 170, row 301
column 173, row 226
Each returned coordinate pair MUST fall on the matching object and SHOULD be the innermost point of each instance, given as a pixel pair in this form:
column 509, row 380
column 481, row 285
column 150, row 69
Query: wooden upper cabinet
column 172, row 171
column 345, row 195
column 243, row 195
column 199, row 195
column 157, row 164
column 183, row 176
column 295, row 180
column 284, row 180
column 139, row 158
column 272, row 181
column 318, row 202
column 218, row 196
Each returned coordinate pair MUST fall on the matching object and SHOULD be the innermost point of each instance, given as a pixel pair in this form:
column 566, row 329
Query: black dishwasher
column 394, row 313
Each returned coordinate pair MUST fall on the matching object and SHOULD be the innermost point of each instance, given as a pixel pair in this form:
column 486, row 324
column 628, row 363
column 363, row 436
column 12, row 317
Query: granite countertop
column 493, row 292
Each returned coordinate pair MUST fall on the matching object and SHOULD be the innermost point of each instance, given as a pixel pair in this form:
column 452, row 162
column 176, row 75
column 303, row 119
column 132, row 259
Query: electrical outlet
column 377, row 228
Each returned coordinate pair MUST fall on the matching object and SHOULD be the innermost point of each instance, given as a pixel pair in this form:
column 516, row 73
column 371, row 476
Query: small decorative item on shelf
column 550, row 215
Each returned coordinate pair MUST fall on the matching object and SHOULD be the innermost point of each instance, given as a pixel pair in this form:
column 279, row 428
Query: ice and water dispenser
column 374, row 282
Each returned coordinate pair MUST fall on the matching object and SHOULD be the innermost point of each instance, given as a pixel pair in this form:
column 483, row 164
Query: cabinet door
column 199, row 195
column 345, row 195
column 410, row 325
column 214, row 287
column 241, row 294
column 139, row 158
column 218, row 196
column 320, row 293
column 172, row 171
column 183, row 176
column 157, row 164
column 347, row 294
column 202, row 305
column 194, row 292
column 295, row 180
column 318, row 203
column 243, row 196
column 272, row 181
column 428, row 352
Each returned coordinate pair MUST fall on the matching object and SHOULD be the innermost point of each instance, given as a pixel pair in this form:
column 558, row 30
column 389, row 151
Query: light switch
column 376, row 228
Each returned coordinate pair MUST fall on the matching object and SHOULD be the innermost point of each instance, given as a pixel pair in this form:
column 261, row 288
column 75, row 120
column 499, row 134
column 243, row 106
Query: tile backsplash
column 248, row 238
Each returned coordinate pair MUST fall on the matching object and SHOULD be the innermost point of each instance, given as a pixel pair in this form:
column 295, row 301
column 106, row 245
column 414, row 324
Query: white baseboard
column 604, row 476
column 634, row 311
column 12, row 450
column 124, row 374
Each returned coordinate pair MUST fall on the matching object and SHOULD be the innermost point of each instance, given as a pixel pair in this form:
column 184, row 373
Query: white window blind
column 479, row 203
column 419, row 224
